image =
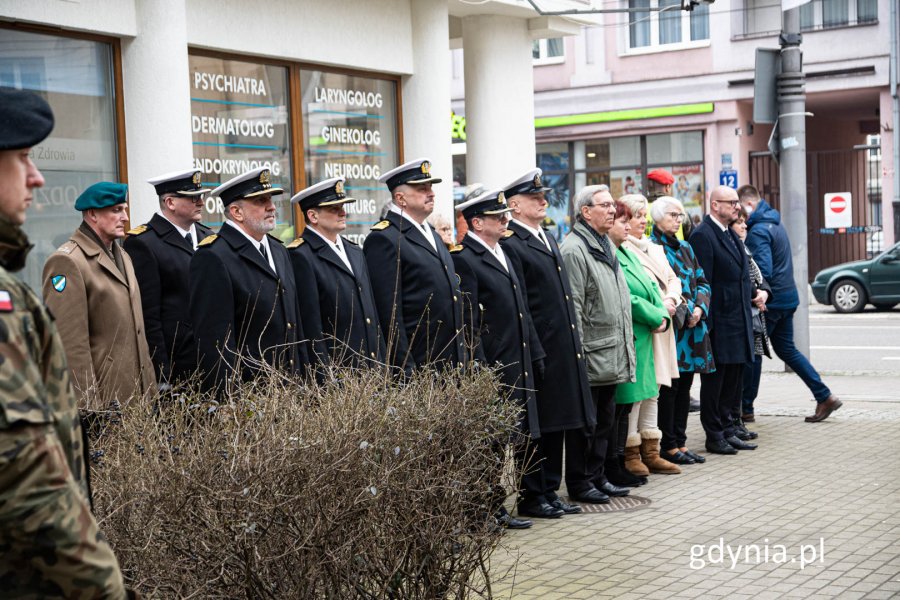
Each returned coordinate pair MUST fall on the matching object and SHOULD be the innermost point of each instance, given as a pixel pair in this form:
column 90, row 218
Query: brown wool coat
column 653, row 259
column 101, row 322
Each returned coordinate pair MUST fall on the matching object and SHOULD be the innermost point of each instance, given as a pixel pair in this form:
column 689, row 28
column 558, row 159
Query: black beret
column 25, row 119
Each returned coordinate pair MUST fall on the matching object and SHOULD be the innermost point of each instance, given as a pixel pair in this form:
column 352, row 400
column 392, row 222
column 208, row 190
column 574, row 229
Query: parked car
column 848, row 287
column 874, row 243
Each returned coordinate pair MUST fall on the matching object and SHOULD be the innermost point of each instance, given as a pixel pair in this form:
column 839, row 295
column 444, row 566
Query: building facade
column 309, row 89
column 674, row 89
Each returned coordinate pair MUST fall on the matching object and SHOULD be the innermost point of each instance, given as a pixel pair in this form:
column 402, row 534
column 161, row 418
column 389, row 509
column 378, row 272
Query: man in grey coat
column 603, row 305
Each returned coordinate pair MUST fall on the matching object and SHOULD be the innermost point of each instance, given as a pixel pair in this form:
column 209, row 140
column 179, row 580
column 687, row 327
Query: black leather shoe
column 679, row 458
column 612, row 490
column 720, row 447
column 504, row 519
column 697, row 458
column 619, row 475
column 539, row 510
column 742, row 433
column 745, row 435
column 569, row 509
column 591, row 496
column 734, row 442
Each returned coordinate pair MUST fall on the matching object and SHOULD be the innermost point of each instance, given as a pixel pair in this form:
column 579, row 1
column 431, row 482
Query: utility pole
column 791, row 85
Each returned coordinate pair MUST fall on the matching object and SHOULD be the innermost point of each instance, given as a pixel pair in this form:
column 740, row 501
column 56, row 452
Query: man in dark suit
column 719, row 251
column 337, row 307
column 415, row 285
column 499, row 325
column 243, row 298
column 161, row 252
column 565, row 408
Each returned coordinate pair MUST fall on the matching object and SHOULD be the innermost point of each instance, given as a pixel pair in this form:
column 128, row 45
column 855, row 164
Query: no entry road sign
column 838, row 210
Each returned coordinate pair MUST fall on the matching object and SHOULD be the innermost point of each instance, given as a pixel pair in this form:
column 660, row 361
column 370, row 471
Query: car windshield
column 892, row 253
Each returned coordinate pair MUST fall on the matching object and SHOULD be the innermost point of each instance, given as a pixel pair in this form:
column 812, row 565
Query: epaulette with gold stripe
column 456, row 248
column 137, row 230
column 509, row 233
column 296, row 243
column 208, row 240
column 380, row 225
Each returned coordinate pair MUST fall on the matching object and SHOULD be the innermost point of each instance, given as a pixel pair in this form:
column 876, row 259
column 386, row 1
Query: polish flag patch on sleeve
column 6, row 304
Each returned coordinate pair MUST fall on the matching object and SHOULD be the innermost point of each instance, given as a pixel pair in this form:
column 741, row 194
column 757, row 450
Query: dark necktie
column 544, row 239
column 262, row 250
column 190, row 242
column 731, row 241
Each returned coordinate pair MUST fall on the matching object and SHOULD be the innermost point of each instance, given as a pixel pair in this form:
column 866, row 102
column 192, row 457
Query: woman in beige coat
column 642, row 423
column 91, row 289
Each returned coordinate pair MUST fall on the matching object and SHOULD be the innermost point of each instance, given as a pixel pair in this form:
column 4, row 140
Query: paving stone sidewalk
column 832, row 486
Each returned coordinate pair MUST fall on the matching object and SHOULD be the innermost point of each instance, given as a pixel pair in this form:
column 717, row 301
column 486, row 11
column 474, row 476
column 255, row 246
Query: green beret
column 101, row 195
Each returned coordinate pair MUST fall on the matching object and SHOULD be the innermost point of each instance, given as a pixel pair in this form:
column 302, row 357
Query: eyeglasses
column 731, row 202
column 604, row 205
column 196, row 199
column 676, row 216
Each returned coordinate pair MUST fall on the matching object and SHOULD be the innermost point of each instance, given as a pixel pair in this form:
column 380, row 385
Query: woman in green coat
column 649, row 315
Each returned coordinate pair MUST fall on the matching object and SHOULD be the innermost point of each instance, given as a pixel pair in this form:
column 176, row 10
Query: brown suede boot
column 633, row 456
column 650, row 453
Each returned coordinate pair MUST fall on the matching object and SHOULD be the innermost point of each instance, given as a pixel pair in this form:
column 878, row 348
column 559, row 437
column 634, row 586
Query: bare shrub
column 359, row 487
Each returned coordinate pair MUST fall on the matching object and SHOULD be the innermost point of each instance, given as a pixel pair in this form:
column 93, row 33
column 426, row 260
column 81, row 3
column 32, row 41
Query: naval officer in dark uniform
column 337, row 307
column 243, row 298
column 500, row 330
column 565, row 409
column 415, row 285
column 161, row 252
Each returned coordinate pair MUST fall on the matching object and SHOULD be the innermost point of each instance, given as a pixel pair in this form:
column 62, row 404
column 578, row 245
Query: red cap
column 661, row 176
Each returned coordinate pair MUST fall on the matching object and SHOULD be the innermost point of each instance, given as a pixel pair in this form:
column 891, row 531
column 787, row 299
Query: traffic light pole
column 791, row 86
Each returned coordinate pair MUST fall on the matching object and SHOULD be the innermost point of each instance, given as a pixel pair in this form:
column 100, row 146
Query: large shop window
column 553, row 160
column 244, row 117
column 621, row 163
column 350, row 131
column 76, row 77
column 240, row 120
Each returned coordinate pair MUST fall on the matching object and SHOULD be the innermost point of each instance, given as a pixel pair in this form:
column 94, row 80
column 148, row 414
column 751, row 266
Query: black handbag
column 680, row 316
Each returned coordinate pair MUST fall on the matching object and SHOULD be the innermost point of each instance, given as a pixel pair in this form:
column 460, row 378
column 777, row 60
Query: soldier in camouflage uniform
column 50, row 544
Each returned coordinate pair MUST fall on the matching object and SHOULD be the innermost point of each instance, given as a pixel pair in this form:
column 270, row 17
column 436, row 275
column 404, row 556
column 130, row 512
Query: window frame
column 818, row 11
column 750, row 5
column 654, row 47
column 645, row 167
column 295, row 110
column 543, row 59
column 115, row 78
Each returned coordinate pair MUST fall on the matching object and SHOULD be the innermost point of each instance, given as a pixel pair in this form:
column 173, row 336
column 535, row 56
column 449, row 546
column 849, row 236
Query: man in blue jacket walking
column 768, row 241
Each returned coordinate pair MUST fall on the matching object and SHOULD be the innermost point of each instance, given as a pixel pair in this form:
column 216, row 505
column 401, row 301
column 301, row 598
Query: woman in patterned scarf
column 693, row 347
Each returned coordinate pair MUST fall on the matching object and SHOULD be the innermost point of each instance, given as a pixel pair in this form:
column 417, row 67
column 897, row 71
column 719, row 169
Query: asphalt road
column 844, row 344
